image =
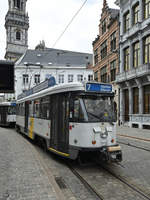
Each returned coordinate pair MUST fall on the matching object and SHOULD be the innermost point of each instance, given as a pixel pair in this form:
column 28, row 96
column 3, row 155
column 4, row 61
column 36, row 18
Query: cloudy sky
column 48, row 19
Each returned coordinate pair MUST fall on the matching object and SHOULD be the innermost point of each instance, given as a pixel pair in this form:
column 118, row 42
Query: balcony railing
column 133, row 73
column 142, row 118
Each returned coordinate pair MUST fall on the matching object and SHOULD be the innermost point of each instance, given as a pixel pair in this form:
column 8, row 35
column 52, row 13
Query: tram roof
column 65, row 87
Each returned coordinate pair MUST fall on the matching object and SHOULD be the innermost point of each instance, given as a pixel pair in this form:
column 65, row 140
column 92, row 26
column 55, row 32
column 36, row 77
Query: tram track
column 94, row 192
column 53, row 179
column 132, row 145
column 135, row 139
column 85, row 183
column 124, row 181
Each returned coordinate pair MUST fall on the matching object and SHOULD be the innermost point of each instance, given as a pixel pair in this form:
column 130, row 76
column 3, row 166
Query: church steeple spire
column 16, row 24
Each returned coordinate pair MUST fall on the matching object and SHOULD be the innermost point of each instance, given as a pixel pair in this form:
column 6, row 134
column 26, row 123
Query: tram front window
column 100, row 109
column 11, row 110
column 94, row 109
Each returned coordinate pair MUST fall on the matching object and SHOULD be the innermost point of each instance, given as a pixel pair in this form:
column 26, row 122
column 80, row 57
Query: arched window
column 17, row 4
column 14, row 3
column 18, row 35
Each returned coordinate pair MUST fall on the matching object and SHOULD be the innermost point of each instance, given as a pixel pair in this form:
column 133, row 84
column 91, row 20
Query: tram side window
column 31, row 108
column 20, row 109
column 78, row 113
column 45, row 108
column 36, row 108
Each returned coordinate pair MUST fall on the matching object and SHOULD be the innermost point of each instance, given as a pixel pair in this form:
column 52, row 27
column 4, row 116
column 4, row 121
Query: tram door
column 59, row 123
column 4, row 114
column 26, row 116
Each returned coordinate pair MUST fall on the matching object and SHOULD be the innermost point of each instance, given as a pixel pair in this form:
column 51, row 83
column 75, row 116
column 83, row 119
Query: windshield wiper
column 93, row 115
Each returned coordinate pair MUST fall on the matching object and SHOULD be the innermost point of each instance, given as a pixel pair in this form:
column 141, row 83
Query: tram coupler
column 111, row 154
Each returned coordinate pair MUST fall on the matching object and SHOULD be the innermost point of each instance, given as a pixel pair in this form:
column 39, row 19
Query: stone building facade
column 106, row 47
column 16, row 24
column 35, row 66
column 134, row 76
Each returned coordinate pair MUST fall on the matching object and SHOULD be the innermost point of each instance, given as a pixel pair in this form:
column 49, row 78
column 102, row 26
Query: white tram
column 8, row 114
column 73, row 119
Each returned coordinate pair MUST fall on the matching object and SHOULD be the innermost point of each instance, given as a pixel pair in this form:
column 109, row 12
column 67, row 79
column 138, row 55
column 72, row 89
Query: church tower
column 16, row 24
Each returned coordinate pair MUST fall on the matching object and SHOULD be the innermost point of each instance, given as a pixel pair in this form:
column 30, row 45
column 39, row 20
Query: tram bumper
column 112, row 154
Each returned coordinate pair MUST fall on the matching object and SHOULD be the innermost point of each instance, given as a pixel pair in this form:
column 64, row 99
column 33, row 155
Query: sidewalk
column 22, row 177
column 134, row 132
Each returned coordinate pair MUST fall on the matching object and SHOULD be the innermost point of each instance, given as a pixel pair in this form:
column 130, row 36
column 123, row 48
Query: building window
column 96, row 76
column 103, row 73
column 17, row 4
column 147, row 99
column 136, row 54
column 135, row 100
column 146, row 9
column 113, row 70
column 22, row 5
column 61, row 78
column 113, row 41
column 126, row 59
column 80, row 77
column 136, row 14
column 103, row 26
column 37, row 78
column 96, row 56
column 126, row 22
column 147, row 50
column 70, row 78
column 25, row 79
column 90, row 77
column 18, row 35
column 104, row 49
column 126, row 97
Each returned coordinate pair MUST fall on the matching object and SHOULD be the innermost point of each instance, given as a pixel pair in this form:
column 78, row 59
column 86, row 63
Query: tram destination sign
column 98, row 87
column 6, row 76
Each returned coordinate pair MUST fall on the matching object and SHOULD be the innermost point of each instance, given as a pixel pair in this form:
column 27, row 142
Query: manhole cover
column 60, row 182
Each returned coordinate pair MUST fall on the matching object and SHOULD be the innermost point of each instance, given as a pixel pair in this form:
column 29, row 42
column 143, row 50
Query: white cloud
column 48, row 19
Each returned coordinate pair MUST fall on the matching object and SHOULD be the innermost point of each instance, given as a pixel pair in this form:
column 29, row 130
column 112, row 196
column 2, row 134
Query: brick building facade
column 106, row 45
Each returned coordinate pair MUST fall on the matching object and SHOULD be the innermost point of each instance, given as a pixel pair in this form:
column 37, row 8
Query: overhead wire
column 69, row 23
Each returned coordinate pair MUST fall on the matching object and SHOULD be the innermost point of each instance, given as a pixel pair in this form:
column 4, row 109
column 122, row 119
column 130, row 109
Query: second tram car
column 8, row 114
column 73, row 119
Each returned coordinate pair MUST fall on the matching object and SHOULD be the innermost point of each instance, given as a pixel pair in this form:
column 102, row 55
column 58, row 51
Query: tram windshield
column 94, row 109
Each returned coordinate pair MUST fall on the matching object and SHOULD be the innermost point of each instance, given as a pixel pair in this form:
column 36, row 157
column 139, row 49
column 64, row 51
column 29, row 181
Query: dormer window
column 103, row 26
column 18, row 35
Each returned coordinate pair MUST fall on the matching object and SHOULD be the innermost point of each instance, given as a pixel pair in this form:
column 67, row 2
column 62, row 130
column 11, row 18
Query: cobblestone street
column 24, row 177
column 21, row 175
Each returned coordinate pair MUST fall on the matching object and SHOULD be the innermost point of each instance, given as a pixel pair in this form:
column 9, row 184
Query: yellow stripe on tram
column 61, row 153
column 31, row 127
